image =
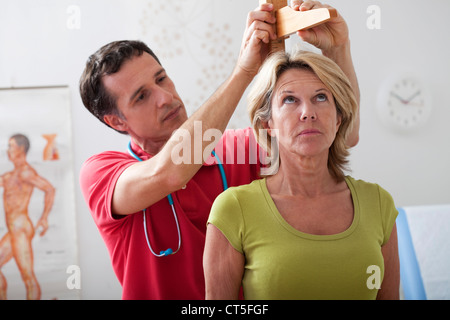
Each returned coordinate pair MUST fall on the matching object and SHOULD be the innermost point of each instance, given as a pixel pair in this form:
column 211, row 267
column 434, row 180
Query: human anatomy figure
column 50, row 150
column 18, row 186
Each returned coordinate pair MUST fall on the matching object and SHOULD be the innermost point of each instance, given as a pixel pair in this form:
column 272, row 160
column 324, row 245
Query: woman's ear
column 267, row 125
column 338, row 121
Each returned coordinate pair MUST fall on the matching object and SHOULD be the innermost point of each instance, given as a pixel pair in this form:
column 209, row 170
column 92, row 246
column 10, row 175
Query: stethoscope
column 169, row 251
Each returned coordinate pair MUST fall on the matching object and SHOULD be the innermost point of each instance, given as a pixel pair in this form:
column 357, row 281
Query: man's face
column 14, row 150
column 147, row 100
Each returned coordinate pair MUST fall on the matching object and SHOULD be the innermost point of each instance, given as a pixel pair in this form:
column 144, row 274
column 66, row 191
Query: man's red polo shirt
column 178, row 276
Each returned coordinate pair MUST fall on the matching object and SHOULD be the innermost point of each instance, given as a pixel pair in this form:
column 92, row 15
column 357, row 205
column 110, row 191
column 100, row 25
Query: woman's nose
column 308, row 113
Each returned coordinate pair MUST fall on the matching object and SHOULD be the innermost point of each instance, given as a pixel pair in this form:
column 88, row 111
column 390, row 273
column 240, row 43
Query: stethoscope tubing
column 169, row 251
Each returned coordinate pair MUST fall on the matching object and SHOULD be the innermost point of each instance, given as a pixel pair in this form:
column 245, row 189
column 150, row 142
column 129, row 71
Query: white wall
column 198, row 42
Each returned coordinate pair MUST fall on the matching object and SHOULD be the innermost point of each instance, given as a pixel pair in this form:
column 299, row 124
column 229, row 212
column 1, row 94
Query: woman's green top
column 284, row 263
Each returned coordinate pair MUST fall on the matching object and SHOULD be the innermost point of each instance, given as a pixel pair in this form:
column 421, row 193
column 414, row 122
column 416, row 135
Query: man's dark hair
column 22, row 141
column 107, row 60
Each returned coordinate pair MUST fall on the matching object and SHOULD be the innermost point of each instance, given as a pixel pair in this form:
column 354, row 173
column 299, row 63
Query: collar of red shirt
column 145, row 156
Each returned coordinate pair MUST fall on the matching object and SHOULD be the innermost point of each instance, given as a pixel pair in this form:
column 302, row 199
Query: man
column 125, row 87
column 18, row 187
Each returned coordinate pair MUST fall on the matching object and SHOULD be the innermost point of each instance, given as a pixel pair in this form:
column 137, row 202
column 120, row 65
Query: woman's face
column 304, row 114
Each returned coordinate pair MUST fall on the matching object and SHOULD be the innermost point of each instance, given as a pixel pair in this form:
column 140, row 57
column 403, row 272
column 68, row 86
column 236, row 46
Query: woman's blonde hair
column 260, row 100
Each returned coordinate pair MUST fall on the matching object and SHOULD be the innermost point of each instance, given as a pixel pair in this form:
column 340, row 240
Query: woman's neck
column 307, row 176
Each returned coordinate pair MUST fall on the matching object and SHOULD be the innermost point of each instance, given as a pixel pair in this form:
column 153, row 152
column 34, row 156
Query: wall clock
column 404, row 102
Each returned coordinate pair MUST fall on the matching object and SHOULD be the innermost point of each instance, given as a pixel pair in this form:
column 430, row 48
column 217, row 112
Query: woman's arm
column 223, row 266
column 391, row 283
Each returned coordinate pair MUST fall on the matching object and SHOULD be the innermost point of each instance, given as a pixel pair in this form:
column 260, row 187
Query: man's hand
column 42, row 224
column 255, row 43
column 328, row 36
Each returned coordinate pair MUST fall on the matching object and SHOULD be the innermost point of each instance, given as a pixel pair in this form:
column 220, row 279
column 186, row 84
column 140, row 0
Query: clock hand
column 399, row 98
column 412, row 97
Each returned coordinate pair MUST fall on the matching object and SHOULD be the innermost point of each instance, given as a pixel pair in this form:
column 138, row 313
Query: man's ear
column 115, row 122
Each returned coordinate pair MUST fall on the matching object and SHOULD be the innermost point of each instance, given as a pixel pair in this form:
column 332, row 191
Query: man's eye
column 141, row 97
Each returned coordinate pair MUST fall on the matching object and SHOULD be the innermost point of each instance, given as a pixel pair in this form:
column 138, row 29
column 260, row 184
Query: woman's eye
column 289, row 100
column 321, row 97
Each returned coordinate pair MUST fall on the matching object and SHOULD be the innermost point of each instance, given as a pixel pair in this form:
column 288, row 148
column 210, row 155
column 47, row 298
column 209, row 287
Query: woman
column 308, row 231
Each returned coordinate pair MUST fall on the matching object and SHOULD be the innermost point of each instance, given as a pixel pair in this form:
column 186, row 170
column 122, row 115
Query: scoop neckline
column 291, row 229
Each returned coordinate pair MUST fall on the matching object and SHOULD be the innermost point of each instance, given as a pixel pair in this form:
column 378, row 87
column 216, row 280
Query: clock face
column 404, row 103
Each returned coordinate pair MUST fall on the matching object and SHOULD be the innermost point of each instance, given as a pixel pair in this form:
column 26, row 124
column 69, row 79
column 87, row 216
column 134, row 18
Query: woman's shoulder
column 245, row 190
column 369, row 193
column 364, row 186
column 240, row 196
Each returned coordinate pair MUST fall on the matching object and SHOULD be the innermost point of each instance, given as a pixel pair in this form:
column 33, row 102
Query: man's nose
column 164, row 97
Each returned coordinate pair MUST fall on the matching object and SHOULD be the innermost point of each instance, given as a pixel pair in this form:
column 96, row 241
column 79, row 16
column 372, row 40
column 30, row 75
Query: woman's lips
column 309, row 132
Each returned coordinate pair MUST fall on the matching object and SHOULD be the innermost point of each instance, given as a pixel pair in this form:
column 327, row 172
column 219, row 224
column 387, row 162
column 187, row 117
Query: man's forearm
column 343, row 58
column 151, row 180
column 215, row 113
